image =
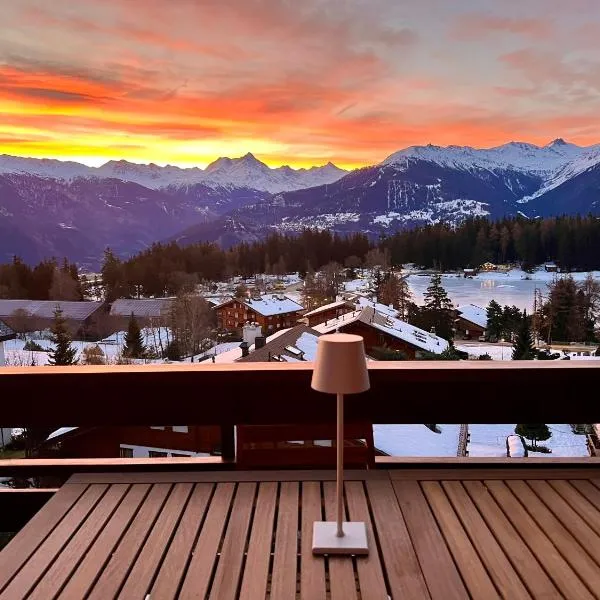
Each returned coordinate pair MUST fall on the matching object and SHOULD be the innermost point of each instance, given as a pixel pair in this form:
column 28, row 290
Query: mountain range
column 57, row 208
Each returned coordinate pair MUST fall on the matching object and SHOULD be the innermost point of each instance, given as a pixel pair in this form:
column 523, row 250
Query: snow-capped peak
column 245, row 171
column 520, row 156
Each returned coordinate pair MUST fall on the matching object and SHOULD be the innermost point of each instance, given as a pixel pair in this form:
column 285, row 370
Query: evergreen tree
column 134, row 343
column 534, row 433
column 523, row 345
column 63, row 353
column 494, row 321
column 438, row 308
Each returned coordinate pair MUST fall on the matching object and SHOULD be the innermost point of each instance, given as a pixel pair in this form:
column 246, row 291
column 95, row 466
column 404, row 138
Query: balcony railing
column 265, row 394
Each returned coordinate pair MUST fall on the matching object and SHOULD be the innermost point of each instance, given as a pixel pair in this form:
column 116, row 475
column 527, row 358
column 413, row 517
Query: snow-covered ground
column 514, row 287
column 486, row 440
column 416, row 440
column 496, row 351
column 490, row 440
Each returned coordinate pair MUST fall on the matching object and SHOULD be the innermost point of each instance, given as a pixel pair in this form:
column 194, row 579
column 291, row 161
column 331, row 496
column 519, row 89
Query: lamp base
column 325, row 540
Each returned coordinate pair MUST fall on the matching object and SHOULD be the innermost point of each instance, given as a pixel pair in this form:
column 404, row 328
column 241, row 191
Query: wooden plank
column 558, row 569
column 285, row 560
column 522, row 558
column 370, row 573
column 495, row 561
column 256, row 570
column 312, row 568
column 115, row 572
column 442, row 578
column 42, row 558
column 342, row 582
column 588, row 512
column 229, row 568
column 67, row 561
column 450, row 474
column 148, row 560
column 582, row 530
column 22, row 546
column 557, row 533
column 197, row 579
column 227, row 476
column 401, row 565
column 104, row 545
column 471, row 568
column 588, row 491
column 173, row 567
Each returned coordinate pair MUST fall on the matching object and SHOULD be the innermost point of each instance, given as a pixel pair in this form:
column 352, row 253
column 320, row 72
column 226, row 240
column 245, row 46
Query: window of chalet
column 157, row 454
column 180, row 429
column 126, row 452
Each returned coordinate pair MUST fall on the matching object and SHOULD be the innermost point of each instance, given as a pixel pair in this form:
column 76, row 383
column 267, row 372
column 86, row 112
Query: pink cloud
column 477, row 26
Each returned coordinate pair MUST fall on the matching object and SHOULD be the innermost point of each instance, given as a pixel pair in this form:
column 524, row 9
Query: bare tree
column 192, row 322
column 63, row 287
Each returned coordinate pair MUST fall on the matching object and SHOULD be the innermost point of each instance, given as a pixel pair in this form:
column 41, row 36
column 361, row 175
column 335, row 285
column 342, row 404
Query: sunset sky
column 297, row 82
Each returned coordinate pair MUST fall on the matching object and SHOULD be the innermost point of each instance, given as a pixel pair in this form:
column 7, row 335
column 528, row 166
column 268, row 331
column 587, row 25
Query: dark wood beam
column 267, row 393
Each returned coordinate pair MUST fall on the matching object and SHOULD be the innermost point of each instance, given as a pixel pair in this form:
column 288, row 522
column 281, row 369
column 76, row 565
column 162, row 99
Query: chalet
column 327, row 312
column 6, row 333
column 132, row 442
column 469, row 272
column 297, row 344
column 471, row 322
column 85, row 320
column 147, row 311
column 381, row 331
column 551, row 267
column 488, row 266
column 272, row 312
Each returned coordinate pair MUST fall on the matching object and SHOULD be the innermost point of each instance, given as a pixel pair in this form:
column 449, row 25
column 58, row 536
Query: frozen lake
column 510, row 288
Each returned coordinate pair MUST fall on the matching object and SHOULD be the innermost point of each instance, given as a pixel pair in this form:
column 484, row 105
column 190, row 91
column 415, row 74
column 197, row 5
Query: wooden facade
column 468, row 330
column 337, row 309
column 110, row 442
column 234, row 314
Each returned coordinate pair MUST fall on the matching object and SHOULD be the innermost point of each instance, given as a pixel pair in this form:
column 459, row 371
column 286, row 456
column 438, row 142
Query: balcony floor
column 450, row 533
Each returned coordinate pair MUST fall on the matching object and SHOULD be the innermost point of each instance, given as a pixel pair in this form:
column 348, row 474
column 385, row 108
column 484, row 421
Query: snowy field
column 513, row 288
column 490, row 440
column 486, row 440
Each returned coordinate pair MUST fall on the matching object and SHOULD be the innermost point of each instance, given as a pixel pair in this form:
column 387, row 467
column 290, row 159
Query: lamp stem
column 340, row 465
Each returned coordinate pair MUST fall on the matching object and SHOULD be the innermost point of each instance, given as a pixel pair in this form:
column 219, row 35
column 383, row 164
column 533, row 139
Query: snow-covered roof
column 60, row 432
column 77, row 311
column 325, row 307
column 6, row 333
column 273, row 304
column 151, row 307
column 395, row 327
column 295, row 344
column 388, row 311
column 474, row 314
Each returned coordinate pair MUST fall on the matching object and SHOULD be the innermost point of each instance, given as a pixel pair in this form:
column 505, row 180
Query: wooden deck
column 443, row 534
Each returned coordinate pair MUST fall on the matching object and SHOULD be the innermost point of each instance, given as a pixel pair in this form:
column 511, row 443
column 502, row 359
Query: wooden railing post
column 228, row 442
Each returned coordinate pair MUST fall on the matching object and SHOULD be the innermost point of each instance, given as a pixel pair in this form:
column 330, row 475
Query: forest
column 167, row 269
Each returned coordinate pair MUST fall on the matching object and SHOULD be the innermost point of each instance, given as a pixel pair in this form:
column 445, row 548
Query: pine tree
column 134, row 343
column 535, row 433
column 438, row 308
column 523, row 345
column 494, row 321
column 63, row 353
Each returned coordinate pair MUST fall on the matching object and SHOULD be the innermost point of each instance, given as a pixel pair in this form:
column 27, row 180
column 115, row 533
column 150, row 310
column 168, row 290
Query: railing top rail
column 266, row 393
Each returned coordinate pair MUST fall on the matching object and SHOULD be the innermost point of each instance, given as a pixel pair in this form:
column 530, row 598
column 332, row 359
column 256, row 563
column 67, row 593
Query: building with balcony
column 471, row 322
column 271, row 311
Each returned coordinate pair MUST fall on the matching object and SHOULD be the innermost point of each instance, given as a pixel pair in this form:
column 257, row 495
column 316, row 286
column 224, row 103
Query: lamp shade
column 340, row 365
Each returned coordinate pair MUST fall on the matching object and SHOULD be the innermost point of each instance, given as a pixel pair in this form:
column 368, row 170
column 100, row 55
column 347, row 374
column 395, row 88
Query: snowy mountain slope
column 244, row 172
column 517, row 156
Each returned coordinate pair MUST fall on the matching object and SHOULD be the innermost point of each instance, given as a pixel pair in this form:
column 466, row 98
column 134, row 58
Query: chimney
column 250, row 332
column 259, row 341
column 244, row 346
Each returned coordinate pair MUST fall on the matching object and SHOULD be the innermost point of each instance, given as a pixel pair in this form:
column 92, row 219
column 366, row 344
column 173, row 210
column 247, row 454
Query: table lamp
column 340, row 368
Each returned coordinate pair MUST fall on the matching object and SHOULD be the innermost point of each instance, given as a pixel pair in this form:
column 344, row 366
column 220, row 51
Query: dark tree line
column 46, row 281
column 168, row 269
column 573, row 242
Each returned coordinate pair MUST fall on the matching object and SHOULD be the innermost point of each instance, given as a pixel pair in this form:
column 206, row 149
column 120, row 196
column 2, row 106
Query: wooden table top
column 442, row 534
